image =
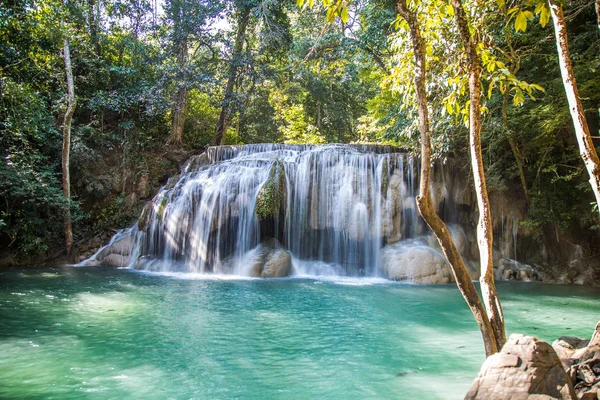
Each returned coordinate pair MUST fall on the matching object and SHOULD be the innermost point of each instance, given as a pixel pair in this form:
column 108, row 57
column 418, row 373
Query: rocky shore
column 529, row 368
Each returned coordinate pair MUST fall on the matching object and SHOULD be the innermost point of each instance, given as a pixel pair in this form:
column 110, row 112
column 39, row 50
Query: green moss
column 161, row 208
column 385, row 177
column 272, row 194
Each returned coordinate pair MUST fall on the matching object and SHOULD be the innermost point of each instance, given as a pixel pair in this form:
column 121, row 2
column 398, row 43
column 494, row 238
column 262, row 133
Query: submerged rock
column 413, row 261
column 526, row 368
column 270, row 260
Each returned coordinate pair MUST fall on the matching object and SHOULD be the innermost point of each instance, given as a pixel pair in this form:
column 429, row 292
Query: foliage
column 272, row 194
column 302, row 78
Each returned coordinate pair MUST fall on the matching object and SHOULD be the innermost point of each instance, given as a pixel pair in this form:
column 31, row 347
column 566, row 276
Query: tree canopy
column 154, row 74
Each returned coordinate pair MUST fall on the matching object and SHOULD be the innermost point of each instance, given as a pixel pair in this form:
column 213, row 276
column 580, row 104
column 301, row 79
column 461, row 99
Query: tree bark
column 582, row 131
column 94, row 22
column 424, row 202
column 66, row 180
column 598, row 12
column 238, row 46
column 180, row 104
column 485, row 238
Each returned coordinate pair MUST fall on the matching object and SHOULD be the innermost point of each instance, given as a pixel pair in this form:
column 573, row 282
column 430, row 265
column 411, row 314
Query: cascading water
column 334, row 201
column 335, row 209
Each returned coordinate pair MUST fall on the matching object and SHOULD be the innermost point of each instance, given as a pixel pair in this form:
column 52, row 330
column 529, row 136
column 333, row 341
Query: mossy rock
column 271, row 196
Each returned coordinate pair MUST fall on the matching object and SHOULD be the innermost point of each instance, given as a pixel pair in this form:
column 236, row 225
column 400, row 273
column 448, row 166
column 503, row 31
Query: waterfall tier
column 337, row 209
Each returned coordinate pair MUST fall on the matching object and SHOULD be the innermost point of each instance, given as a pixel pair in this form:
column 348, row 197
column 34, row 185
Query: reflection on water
column 100, row 334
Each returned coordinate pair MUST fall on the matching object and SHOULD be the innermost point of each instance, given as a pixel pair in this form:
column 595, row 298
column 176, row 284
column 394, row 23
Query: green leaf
column 450, row 10
column 500, row 3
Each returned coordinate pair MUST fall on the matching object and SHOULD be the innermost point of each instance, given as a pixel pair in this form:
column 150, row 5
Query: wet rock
column 270, row 201
column 270, row 260
column 413, row 261
column 122, row 247
column 115, row 254
column 526, row 368
column 511, row 270
column 115, row 260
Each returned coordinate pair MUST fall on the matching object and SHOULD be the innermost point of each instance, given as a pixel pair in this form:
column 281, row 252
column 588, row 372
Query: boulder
column 569, row 349
column 413, row 261
column 115, row 254
column 123, row 246
column 582, row 360
column 526, row 368
column 511, row 270
column 270, row 200
column 115, row 260
column 270, row 260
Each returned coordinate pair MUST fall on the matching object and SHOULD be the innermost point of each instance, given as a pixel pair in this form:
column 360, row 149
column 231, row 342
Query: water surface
column 85, row 333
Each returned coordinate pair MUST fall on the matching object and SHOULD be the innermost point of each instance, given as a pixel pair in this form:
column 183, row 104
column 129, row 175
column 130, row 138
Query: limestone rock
column 270, row 260
column 413, row 261
column 117, row 253
column 526, row 368
column 143, row 186
column 569, row 349
column 511, row 270
column 115, row 260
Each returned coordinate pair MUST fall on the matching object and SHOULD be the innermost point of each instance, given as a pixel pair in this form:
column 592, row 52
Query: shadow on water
column 103, row 333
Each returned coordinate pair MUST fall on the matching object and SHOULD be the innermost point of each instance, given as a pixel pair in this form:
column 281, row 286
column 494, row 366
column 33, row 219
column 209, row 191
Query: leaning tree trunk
column 598, row 12
column 238, row 46
column 66, row 180
column 485, row 238
column 181, row 97
column 582, row 131
column 424, row 202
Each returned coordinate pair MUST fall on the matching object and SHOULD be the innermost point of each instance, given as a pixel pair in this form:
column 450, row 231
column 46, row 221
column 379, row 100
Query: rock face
column 115, row 254
column 270, row 260
column 582, row 360
column 526, row 368
column 414, row 261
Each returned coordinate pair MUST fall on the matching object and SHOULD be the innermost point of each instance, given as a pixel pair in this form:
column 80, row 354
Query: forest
column 157, row 81
column 287, row 191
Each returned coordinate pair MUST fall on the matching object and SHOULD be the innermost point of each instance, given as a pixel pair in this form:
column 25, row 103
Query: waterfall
column 332, row 208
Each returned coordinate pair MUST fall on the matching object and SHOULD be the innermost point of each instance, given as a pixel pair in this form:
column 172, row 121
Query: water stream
column 97, row 333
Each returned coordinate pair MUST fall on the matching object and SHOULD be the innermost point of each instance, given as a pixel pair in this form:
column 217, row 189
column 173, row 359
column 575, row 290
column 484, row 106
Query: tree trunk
column 66, row 180
column 238, row 46
column 180, row 105
column 424, row 202
column 485, row 238
column 582, row 131
column 598, row 12
column 94, row 22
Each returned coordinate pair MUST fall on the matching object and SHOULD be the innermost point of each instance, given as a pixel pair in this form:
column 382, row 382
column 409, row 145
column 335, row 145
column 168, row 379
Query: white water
column 340, row 205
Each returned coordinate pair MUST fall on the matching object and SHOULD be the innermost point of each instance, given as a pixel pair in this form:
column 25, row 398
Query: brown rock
column 526, row 368
column 115, row 260
column 271, row 260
